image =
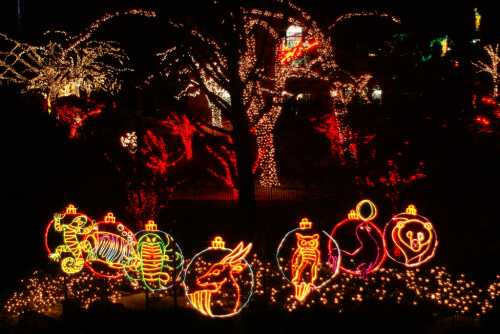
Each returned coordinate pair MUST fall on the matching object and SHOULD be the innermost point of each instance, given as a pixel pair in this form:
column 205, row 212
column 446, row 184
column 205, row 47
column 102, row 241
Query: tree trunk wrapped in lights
column 246, row 95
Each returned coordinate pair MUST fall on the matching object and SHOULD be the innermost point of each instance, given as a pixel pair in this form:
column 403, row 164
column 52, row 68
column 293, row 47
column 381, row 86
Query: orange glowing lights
column 218, row 242
column 219, row 281
column 410, row 238
column 306, row 258
column 290, row 54
column 308, row 269
column 151, row 226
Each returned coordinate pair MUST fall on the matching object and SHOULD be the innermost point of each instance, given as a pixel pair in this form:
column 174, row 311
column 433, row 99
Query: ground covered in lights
column 430, row 299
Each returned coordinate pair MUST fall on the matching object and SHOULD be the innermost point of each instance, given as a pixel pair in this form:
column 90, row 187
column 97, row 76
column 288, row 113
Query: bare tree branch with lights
column 490, row 67
column 67, row 65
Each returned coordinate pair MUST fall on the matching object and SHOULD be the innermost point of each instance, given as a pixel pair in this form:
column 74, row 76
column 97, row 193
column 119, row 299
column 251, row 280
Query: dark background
column 43, row 170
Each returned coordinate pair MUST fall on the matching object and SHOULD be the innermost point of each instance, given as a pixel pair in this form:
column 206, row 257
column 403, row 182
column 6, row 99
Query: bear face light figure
column 410, row 238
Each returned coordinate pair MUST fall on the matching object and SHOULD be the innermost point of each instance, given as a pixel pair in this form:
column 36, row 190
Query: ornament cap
column 151, row 225
column 305, row 223
column 352, row 215
column 218, row 242
column 110, row 218
column 411, row 209
column 71, row 209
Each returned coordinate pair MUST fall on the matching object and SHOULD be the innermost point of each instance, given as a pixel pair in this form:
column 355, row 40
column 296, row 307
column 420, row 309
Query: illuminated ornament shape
column 110, row 248
column 304, row 260
column 219, row 281
column 65, row 239
column 159, row 259
column 410, row 239
column 360, row 240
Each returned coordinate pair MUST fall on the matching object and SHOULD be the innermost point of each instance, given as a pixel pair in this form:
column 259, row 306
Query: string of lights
column 437, row 288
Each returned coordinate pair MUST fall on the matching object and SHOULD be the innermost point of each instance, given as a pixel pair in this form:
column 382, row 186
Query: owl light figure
column 410, row 239
column 304, row 260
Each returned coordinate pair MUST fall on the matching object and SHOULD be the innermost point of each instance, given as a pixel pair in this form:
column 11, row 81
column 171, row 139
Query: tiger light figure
column 111, row 248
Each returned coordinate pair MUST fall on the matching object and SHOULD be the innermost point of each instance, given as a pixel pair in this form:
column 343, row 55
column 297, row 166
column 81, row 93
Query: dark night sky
column 39, row 163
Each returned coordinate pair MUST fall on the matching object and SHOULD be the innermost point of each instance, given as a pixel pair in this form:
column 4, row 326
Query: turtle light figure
column 361, row 241
column 410, row 239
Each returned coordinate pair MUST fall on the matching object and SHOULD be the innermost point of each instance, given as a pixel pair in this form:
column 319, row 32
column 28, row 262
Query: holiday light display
column 477, row 19
column 294, row 48
column 304, row 259
column 361, row 14
column 304, row 52
column 226, row 159
column 112, row 247
column 38, row 68
column 75, row 116
column 67, row 65
column 334, row 125
column 43, row 293
column 391, row 180
column 159, row 259
column 68, row 231
column 180, row 126
column 211, row 79
column 219, row 281
column 436, row 288
column 157, row 158
column 129, row 141
column 443, row 44
column 410, row 239
column 361, row 241
column 491, row 68
column 441, row 291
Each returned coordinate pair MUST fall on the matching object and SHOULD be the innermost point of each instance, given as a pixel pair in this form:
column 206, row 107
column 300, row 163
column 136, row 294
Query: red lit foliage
column 74, row 114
